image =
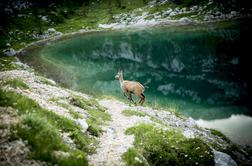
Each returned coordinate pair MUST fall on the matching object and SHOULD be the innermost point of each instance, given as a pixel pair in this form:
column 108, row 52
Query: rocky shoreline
column 113, row 140
column 66, row 103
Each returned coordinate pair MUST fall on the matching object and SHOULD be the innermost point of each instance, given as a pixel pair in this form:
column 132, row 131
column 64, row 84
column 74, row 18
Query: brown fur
column 131, row 87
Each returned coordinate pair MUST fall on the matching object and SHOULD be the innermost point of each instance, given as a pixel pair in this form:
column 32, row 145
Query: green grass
column 45, row 81
column 41, row 128
column 74, row 114
column 159, row 147
column 219, row 134
column 133, row 113
column 16, row 83
column 6, row 62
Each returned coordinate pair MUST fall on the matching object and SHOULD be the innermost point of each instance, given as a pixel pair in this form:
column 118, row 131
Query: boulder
column 173, row 13
column 83, row 124
column 223, row 159
column 60, row 155
column 51, row 30
column 185, row 20
column 9, row 52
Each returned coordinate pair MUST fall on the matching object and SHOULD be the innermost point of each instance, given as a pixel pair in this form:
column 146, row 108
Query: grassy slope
column 37, row 122
column 155, row 146
column 42, row 130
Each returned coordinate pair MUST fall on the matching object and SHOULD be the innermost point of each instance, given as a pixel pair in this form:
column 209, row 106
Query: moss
column 161, row 147
column 38, row 122
column 6, row 62
column 133, row 113
column 16, row 83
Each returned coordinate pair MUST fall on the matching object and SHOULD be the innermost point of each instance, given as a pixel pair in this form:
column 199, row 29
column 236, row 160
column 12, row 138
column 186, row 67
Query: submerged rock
column 223, row 159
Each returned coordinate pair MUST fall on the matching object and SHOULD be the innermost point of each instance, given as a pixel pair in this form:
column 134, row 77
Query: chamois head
column 118, row 75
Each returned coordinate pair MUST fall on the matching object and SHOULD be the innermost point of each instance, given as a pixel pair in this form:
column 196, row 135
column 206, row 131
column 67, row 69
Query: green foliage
column 41, row 128
column 161, row 147
column 45, row 139
column 219, row 134
column 132, row 113
column 133, row 158
column 6, row 63
column 16, row 83
column 97, row 114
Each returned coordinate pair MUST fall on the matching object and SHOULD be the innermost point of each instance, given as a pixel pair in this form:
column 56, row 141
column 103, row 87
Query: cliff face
column 43, row 123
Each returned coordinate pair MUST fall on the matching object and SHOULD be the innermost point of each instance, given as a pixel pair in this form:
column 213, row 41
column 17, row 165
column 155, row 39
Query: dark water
column 197, row 70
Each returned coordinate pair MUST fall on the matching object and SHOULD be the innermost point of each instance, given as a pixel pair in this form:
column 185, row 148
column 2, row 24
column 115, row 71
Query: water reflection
column 235, row 128
column 197, row 70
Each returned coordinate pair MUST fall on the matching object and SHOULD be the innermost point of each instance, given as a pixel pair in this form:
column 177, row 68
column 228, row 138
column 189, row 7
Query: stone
column 233, row 13
column 51, row 30
column 60, row 154
column 189, row 133
column 20, row 64
column 83, row 124
column 185, row 20
column 167, row 13
column 173, row 13
column 44, row 18
column 9, row 52
column 223, row 159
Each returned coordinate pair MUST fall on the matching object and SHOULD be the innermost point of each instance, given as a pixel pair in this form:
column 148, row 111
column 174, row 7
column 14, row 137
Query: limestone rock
column 223, row 159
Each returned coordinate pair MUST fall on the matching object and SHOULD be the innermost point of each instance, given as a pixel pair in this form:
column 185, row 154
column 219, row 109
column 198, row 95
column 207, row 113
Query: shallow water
column 198, row 70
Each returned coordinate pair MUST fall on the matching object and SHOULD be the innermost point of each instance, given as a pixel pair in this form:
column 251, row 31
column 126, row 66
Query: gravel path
column 113, row 142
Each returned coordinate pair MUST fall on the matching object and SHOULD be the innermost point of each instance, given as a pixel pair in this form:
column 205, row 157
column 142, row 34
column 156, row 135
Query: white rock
column 138, row 160
column 51, row 30
column 173, row 13
column 20, row 64
column 58, row 33
column 83, row 124
column 9, row 52
column 60, row 154
column 188, row 133
column 167, row 13
column 185, row 20
column 234, row 13
column 44, row 18
column 223, row 159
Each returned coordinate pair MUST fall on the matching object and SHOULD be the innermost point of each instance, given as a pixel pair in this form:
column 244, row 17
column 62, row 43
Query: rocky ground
column 113, row 142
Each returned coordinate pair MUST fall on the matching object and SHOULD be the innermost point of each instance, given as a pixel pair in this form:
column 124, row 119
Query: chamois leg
column 130, row 98
column 142, row 98
column 124, row 94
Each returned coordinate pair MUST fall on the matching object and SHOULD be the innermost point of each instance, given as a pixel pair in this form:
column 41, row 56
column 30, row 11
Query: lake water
column 197, row 70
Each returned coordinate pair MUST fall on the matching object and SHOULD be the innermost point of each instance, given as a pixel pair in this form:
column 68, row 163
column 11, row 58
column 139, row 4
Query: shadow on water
column 202, row 71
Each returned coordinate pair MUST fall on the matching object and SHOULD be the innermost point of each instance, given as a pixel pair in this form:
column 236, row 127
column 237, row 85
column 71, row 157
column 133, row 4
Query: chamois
column 131, row 87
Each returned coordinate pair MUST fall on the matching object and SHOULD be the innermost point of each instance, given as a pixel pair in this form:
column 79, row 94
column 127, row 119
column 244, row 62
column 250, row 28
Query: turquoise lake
column 197, row 70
